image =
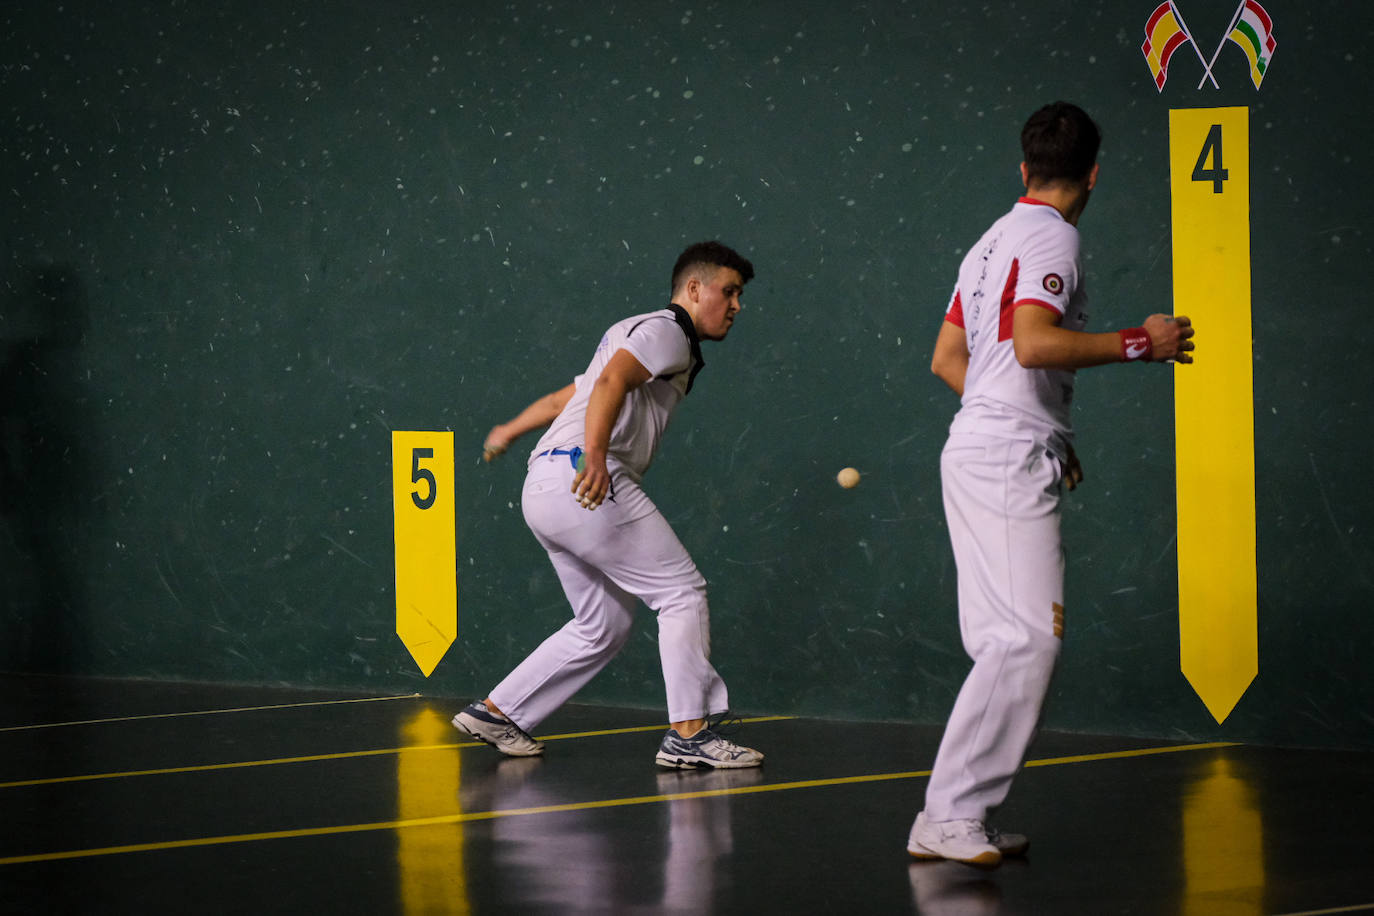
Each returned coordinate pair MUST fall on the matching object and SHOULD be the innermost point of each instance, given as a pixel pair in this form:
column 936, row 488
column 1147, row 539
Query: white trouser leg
column 605, row 559
column 564, row 662
column 1002, row 505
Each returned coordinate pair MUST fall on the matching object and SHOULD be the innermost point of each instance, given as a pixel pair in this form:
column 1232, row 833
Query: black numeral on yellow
column 418, row 474
column 1216, row 174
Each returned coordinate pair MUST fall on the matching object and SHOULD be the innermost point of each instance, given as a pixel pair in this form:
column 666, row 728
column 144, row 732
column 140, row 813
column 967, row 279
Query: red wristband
column 1135, row 344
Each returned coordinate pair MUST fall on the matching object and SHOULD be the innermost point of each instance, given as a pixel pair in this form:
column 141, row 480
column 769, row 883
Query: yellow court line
column 316, row 758
column 650, row 728
column 468, row 817
column 202, row 712
column 1122, row 755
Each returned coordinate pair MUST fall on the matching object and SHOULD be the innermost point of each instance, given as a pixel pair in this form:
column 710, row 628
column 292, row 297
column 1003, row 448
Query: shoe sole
column 676, row 762
column 982, row 860
column 1008, row 852
column 472, row 733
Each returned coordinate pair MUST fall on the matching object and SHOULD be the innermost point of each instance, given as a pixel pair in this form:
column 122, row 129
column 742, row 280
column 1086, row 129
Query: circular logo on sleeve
column 1054, row 283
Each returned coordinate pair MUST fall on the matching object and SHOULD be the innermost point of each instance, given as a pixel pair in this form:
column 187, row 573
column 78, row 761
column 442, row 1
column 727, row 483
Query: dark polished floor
column 136, row 797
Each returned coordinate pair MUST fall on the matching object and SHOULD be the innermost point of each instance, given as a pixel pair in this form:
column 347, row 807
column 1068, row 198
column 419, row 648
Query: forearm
column 1051, row 347
column 537, row 415
column 622, row 374
column 603, row 408
column 952, row 372
column 950, row 362
column 1041, row 343
column 541, row 413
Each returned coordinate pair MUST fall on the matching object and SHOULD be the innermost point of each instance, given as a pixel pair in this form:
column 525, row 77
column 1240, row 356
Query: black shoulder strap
column 684, row 321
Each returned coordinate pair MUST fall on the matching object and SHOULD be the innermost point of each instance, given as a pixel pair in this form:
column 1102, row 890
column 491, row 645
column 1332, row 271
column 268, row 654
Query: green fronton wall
column 243, row 243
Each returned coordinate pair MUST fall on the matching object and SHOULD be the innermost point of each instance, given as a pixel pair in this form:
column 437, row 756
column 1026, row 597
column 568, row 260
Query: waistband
column 574, row 455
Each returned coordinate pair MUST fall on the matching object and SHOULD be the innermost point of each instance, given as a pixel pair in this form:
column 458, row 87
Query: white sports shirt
column 665, row 342
column 1028, row 258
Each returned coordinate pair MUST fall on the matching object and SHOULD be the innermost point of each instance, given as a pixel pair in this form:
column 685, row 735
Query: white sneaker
column 959, row 841
column 498, row 731
column 702, row 750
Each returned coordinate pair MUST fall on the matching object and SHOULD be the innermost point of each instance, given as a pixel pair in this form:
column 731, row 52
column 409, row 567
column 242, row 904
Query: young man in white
column 609, row 544
column 1009, row 345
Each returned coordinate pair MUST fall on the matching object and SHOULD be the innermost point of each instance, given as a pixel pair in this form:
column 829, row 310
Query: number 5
column 418, row 474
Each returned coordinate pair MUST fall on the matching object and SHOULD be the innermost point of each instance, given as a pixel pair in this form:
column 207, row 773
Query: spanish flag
column 1164, row 34
column 1253, row 31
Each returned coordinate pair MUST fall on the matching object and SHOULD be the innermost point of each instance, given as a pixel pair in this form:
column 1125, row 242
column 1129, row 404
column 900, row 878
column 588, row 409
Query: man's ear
column 1025, row 175
column 1092, row 177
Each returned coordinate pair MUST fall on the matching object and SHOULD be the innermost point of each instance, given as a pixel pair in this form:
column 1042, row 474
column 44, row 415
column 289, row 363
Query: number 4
column 1216, row 174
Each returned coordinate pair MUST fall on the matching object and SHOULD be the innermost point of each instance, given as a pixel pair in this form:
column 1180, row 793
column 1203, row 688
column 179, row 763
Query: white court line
column 201, row 712
column 1357, row 908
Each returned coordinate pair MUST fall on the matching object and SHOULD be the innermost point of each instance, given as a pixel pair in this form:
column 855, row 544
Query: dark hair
column 710, row 253
column 1059, row 142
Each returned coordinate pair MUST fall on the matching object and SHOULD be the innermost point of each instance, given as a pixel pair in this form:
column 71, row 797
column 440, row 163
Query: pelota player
column 603, row 432
column 1010, row 342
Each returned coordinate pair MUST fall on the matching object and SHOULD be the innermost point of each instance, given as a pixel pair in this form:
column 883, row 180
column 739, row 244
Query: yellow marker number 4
column 1214, row 404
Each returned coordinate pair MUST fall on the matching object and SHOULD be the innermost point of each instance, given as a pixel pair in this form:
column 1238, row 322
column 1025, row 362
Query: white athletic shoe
column 498, row 731
column 704, row 749
column 964, row 841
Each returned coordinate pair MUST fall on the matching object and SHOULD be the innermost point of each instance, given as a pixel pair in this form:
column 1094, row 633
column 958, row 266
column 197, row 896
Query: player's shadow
column 44, row 490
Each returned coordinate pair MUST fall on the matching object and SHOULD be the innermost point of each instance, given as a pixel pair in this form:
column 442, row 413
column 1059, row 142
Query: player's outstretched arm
column 1041, row 343
column 541, row 413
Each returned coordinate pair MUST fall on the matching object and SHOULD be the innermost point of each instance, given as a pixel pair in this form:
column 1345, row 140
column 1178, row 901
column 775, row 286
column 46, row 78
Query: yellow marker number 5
column 426, row 568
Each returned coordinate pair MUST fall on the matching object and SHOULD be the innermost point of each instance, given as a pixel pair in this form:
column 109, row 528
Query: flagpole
column 1229, row 29
column 1207, row 68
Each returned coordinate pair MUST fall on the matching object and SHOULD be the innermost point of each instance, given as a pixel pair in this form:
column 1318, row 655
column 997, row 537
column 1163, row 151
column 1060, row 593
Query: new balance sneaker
column 498, row 731
column 959, row 841
column 704, row 749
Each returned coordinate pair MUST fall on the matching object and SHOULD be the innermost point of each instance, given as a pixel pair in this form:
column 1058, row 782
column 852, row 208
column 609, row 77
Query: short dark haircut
column 710, row 254
column 1059, row 142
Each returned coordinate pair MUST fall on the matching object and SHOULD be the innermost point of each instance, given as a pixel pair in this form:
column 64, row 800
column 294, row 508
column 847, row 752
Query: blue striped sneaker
column 705, row 749
column 498, row 731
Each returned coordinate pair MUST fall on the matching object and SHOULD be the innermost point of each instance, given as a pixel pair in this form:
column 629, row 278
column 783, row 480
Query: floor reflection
column 431, row 877
column 591, row 859
column 952, row 889
column 1223, row 842
column 700, row 834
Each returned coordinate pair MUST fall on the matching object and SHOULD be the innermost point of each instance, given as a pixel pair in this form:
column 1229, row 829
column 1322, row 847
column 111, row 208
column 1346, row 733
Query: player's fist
column 592, row 482
column 1170, row 338
column 1073, row 470
column 496, row 444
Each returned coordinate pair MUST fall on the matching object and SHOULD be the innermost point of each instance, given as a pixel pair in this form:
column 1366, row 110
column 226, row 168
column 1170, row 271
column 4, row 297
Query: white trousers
column 608, row 559
column 1002, row 505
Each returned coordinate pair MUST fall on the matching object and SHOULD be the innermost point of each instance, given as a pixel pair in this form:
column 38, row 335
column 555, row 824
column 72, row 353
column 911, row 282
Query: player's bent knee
column 684, row 603
column 607, row 637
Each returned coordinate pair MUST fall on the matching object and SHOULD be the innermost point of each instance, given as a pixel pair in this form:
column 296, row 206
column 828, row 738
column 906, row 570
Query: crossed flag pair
column 1251, row 29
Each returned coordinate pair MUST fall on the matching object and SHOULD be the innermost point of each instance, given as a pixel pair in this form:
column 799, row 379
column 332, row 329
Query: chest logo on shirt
column 1053, row 283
